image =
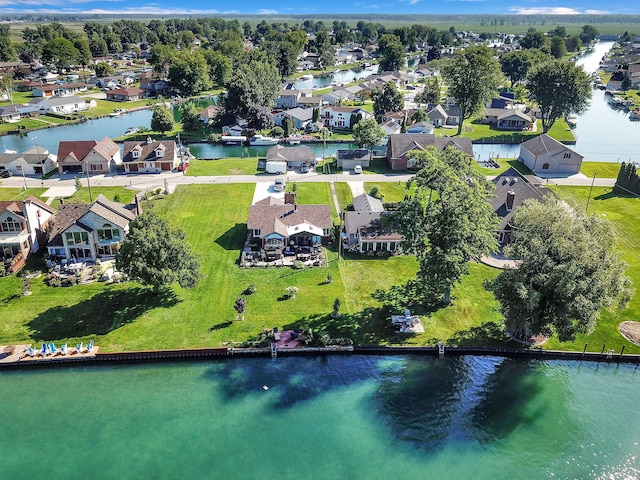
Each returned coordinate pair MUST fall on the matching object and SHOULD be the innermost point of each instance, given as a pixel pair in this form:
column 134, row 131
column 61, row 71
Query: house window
column 274, row 242
column 545, row 166
column 256, row 232
column 159, row 153
column 501, row 237
column 73, row 238
column 567, row 154
column 11, row 225
column 108, row 234
column 136, row 153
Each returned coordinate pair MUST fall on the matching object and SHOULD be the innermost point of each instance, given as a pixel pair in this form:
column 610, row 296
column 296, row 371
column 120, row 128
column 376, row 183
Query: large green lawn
column 128, row 317
column 224, row 166
column 600, row 169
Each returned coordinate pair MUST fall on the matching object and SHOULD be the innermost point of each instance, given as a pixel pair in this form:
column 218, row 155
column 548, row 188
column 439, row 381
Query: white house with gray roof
column 546, row 156
column 61, row 105
column 31, row 162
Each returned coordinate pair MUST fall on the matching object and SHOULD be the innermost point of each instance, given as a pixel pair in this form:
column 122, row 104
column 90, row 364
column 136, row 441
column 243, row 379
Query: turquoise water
column 353, row 417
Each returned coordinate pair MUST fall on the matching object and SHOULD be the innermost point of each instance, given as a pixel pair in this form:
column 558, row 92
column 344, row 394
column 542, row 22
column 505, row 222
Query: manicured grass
column 225, row 166
column 393, row 192
column 343, row 192
column 20, row 194
column 378, row 165
column 82, row 196
column 478, row 131
column 601, row 169
column 624, row 214
column 505, row 164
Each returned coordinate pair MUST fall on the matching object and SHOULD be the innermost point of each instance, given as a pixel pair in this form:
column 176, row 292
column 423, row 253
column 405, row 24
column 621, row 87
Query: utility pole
column 86, row 164
column 38, row 153
column 590, row 190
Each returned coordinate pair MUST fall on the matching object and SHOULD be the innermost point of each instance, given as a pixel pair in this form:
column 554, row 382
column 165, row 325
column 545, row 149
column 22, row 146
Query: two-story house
column 23, row 229
column 150, row 156
column 85, row 232
column 544, row 155
column 341, row 117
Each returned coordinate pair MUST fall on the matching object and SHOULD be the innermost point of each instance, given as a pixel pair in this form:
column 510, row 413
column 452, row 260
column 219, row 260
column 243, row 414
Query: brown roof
column 401, row 143
column 51, row 87
column 12, row 207
column 67, row 215
column 269, row 218
column 79, row 149
column 127, row 92
column 147, row 150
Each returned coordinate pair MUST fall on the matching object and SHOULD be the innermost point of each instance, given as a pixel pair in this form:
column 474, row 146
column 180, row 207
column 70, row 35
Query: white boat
column 336, row 71
column 572, row 120
column 131, row 131
column 307, row 76
column 262, row 140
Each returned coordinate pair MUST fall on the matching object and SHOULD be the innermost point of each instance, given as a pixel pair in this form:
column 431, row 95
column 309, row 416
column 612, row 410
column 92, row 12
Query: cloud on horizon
column 554, row 11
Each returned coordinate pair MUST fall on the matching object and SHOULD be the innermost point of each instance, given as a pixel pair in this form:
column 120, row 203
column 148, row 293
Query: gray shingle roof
column 401, row 143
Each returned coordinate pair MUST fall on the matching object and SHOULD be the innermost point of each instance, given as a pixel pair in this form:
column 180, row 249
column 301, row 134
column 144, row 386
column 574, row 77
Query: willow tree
column 569, row 270
column 447, row 221
column 472, row 76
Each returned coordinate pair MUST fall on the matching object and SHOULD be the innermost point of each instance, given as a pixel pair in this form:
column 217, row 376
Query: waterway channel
column 603, row 134
column 357, row 417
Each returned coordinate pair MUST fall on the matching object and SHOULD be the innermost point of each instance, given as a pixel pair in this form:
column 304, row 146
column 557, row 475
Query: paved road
column 151, row 181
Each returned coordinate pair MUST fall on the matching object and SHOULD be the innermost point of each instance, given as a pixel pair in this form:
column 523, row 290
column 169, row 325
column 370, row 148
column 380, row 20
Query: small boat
column 293, row 141
column 634, row 114
column 572, row 120
column 131, row 131
column 336, row 71
column 262, row 140
column 307, row 76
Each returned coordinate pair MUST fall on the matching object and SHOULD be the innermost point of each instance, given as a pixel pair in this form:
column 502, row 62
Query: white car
column 357, row 169
column 279, row 185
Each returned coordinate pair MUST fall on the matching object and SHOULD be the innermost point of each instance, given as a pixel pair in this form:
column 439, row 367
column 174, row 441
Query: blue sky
column 167, row 7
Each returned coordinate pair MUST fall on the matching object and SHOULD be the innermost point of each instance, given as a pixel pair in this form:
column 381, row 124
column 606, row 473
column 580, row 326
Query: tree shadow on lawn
column 233, row 239
column 489, row 334
column 100, row 314
column 613, row 194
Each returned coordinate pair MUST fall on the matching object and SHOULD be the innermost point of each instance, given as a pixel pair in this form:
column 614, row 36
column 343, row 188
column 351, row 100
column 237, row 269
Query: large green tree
column 560, row 88
column 252, row 83
column 387, row 99
column 161, row 119
column 158, row 254
column 190, row 118
column 447, row 221
column 569, row 270
column 367, row 133
column 60, row 52
column 516, row 65
column 189, row 72
column 473, row 76
column 391, row 52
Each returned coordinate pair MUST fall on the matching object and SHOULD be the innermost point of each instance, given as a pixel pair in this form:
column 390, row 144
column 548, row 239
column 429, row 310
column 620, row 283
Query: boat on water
column 634, row 114
column 572, row 120
column 131, row 131
column 262, row 140
column 307, row 76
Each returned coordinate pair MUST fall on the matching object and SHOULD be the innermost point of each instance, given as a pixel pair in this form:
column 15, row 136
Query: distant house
column 30, row 162
column 128, row 94
column 23, row 229
column 209, row 114
column 16, row 112
column 155, row 86
column 86, row 232
column 511, row 189
column 366, row 231
column 442, row 115
column 150, row 156
column 300, row 116
column 60, row 105
column 341, row 117
column 281, row 227
column 88, row 156
column 544, row 155
column 288, row 98
column 233, row 130
column 348, row 159
column 421, row 127
column 293, row 156
column 508, row 119
column 400, row 145
column 391, row 127
column 55, row 90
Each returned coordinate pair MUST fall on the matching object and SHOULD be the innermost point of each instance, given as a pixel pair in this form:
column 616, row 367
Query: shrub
column 291, row 291
column 329, row 278
column 251, row 289
column 240, row 305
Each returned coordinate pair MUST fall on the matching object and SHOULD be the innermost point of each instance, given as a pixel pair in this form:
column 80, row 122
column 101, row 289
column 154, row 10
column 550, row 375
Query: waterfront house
column 341, row 117
column 82, row 156
column 511, row 190
column 293, row 156
column 16, row 112
column 150, row 156
column 544, row 155
column 367, row 230
column 61, row 105
column 85, row 232
column 128, row 94
column 288, row 98
column 300, row 116
column 399, row 147
column 348, row 159
column 23, row 229
column 508, row 119
column 30, row 162
column 280, row 228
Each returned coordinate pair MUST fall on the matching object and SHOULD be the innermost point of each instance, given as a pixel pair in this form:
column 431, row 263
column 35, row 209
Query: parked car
column 183, row 166
column 357, row 169
column 5, row 173
column 279, row 185
column 304, row 168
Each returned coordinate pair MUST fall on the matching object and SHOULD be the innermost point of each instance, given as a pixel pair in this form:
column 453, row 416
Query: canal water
column 357, row 417
column 603, row 134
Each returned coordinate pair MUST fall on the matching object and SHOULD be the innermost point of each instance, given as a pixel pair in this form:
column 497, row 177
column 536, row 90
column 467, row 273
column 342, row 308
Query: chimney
column 290, row 199
column 511, row 196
